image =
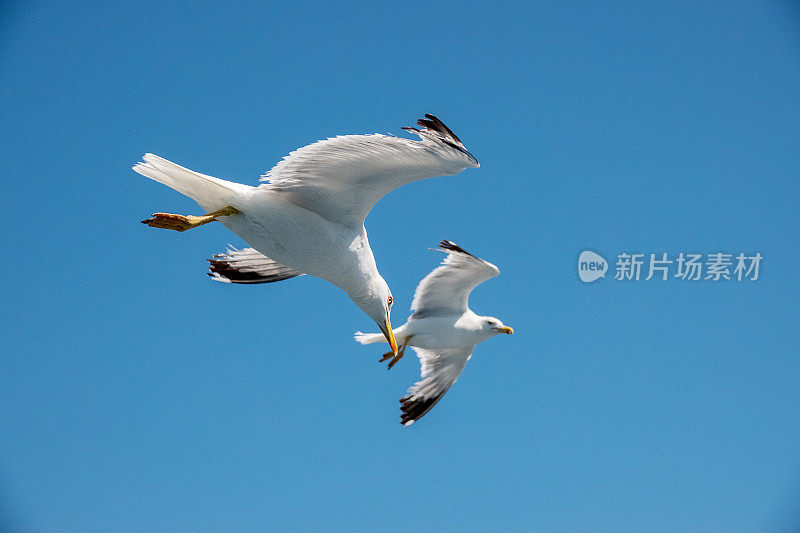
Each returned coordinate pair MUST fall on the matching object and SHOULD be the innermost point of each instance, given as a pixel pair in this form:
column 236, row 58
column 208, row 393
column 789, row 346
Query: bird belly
column 292, row 235
column 436, row 333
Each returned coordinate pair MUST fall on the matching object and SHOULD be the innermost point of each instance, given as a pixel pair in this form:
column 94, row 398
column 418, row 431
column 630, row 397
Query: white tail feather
column 369, row 338
column 210, row 192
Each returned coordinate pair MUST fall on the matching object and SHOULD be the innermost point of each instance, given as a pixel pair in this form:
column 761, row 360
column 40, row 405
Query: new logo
column 591, row 266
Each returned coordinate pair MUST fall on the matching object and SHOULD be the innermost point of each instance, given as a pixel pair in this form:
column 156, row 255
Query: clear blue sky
column 136, row 394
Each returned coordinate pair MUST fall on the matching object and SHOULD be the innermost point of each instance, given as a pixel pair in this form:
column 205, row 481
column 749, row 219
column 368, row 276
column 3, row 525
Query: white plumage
column 442, row 330
column 447, row 288
column 343, row 177
column 308, row 216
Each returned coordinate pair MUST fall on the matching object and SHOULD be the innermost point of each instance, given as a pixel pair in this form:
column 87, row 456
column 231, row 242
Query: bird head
column 494, row 326
column 377, row 304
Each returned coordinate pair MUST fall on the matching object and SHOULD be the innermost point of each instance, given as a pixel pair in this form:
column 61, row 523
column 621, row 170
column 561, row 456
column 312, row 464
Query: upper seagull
column 442, row 328
column 308, row 216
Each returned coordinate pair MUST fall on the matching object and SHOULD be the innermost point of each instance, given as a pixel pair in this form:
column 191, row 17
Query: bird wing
column 247, row 265
column 341, row 178
column 440, row 369
column 446, row 289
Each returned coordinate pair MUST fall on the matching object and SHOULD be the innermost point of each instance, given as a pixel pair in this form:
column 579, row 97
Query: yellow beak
column 386, row 329
column 506, row 329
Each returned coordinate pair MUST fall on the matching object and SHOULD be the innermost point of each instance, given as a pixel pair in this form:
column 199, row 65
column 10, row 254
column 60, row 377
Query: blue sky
column 138, row 395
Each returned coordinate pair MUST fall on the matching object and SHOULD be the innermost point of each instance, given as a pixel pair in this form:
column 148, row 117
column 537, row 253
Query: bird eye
column 389, row 300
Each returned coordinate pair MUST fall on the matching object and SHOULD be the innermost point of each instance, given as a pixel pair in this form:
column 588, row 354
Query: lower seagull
column 442, row 329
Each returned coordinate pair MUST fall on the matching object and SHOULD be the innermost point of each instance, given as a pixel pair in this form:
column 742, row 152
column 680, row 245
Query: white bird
column 308, row 216
column 442, row 328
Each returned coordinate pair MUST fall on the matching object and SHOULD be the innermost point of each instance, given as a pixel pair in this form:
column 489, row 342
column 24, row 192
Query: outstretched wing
column 248, row 266
column 440, row 369
column 341, row 178
column 446, row 289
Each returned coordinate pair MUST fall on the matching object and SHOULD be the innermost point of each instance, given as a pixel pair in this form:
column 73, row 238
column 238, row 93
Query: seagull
column 442, row 329
column 308, row 215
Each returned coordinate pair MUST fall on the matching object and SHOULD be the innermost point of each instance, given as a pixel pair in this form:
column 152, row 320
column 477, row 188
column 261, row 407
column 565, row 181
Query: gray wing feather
column 247, row 266
column 341, row 178
column 446, row 289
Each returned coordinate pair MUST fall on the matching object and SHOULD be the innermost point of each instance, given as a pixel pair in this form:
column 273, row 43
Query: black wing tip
column 443, row 125
column 450, row 246
column 433, row 123
column 437, row 124
column 415, row 408
column 224, row 271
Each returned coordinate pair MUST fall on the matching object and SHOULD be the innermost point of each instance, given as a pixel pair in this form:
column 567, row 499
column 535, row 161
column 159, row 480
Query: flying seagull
column 442, row 328
column 308, row 215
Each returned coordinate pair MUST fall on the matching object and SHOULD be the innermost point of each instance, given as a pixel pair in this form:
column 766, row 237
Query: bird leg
column 400, row 353
column 184, row 222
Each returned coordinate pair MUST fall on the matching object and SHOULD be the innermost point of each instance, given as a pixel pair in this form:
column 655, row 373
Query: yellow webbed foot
column 396, row 358
column 184, row 222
